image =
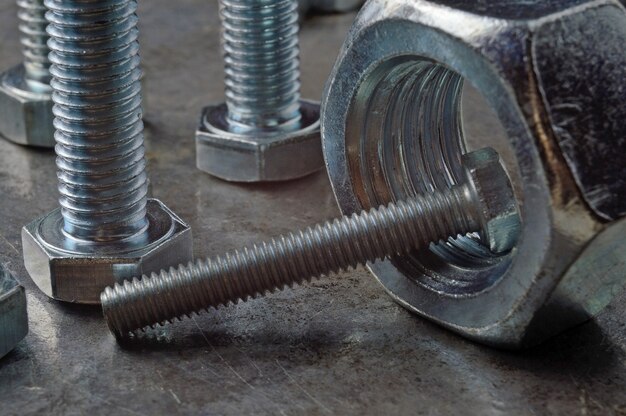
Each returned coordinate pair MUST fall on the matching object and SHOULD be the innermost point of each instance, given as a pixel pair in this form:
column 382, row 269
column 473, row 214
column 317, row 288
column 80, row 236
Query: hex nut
column 330, row 6
column 501, row 222
column 244, row 158
column 391, row 127
column 26, row 117
column 74, row 271
column 13, row 316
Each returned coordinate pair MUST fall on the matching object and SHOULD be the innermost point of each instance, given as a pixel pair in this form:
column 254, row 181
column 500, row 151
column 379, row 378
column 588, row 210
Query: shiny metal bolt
column 105, row 219
column 26, row 116
column 264, row 131
column 485, row 200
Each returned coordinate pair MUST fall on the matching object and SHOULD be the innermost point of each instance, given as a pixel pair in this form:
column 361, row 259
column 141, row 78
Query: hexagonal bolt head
column 26, row 116
column 499, row 214
column 259, row 157
column 74, row 271
column 13, row 316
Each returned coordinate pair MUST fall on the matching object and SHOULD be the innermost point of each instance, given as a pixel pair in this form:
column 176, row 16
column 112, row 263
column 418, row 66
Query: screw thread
column 32, row 25
column 260, row 39
column 98, row 118
column 293, row 258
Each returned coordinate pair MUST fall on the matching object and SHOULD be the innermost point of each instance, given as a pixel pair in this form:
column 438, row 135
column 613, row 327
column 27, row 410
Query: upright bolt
column 26, row 116
column 264, row 131
column 485, row 200
column 106, row 229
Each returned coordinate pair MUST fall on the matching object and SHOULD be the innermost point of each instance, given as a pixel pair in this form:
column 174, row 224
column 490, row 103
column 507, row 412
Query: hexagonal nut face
column 26, row 117
column 13, row 316
column 258, row 158
column 499, row 212
column 75, row 272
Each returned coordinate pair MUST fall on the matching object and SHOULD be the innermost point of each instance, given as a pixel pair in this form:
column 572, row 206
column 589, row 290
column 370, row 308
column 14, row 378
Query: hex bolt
column 390, row 230
column 106, row 224
column 264, row 131
column 25, row 93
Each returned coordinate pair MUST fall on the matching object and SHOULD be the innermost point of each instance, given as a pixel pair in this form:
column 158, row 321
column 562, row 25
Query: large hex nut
column 554, row 74
column 25, row 114
column 258, row 157
column 13, row 317
column 74, row 271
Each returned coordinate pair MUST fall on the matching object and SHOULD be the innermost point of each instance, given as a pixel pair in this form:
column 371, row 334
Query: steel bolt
column 264, row 131
column 106, row 224
column 390, row 230
column 24, row 90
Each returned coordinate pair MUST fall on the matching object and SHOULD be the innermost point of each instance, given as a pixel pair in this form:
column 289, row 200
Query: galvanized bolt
column 264, row 131
column 26, row 116
column 106, row 229
column 485, row 200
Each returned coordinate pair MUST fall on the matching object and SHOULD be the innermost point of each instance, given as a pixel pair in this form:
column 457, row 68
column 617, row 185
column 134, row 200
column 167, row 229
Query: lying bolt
column 484, row 203
column 26, row 116
column 264, row 131
column 106, row 229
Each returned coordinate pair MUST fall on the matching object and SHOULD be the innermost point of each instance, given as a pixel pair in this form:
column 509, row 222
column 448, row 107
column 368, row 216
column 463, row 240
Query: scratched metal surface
column 336, row 346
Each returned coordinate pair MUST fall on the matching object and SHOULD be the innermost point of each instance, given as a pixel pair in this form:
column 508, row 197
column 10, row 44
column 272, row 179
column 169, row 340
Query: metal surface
column 104, row 230
column 26, row 116
column 264, row 131
column 327, row 347
column 13, row 316
column 392, row 128
column 328, row 6
column 483, row 203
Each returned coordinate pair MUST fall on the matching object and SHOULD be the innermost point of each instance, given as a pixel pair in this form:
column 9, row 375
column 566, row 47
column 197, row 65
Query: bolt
column 105, row 213
column 25, row 89
column 390, row 230
column 263, row 131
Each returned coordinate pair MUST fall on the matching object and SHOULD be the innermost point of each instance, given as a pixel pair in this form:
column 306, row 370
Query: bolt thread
column 98, row 118
column 32, row 25
column 260, row 40
column 344, row 243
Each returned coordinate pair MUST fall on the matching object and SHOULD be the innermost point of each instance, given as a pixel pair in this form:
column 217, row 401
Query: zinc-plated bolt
column 25, row 100
column 485, row 200
column 106, row 225
column 264, row 131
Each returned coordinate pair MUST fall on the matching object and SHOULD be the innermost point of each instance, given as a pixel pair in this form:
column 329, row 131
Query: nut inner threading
column 99, row 129
column 260, row 39
column 404, row 137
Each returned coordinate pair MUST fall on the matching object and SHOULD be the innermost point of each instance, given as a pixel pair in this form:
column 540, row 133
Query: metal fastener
column 391, row 124
column 329, row 6
column 13, row 316
column 264, row 131
column 26, row 116
column 484, row 203
column 106, row 229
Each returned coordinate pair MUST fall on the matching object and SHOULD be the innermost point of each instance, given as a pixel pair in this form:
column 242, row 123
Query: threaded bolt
column 260, row 39
column 98, row 118
column 390, row 230
column 32, row 25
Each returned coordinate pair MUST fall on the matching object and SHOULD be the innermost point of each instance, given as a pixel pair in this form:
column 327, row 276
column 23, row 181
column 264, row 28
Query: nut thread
column 98, row 118
column 293, row 258
column 32, row 25
column 260, row 40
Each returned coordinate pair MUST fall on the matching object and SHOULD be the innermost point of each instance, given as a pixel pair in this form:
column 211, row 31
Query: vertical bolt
column 264, row 131
column 106, row 229
column 32, row 25
column 390, row 230
column 260, row 39
column 99, row 129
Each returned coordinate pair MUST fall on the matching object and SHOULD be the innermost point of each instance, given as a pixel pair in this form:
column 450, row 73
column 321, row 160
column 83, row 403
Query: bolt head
column 74, row 271
column 26, row 116
column 498, row 207
column 259, row 157
column 13, row 317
